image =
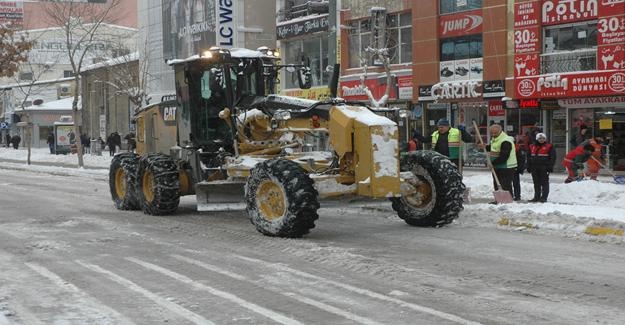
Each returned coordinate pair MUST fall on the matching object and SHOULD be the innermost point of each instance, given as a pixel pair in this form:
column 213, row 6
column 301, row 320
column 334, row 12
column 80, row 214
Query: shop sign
column 464, row 23
column 495, row 108
column 404, row 85
column 457, row 90
column 439, row 106
column 595, row 83
column 494, row 88
column 526, row 14
column 611, row 57
column 226, row 28
column 549, row 105
column 526, row 65
column 529, row 103
column 526, row 40
column 353, row 90
column 302, row 27
column 425, row 93
column 589, row 102
column 315, row 93
column 12, row 12
column 568, row 11
column 611, row 30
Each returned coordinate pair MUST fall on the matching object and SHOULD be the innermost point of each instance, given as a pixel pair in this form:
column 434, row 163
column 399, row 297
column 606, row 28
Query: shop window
column 398, row 39
column 569, row 48
column 316, row 49
column 451, row 6
column 459, row 48
column 26, row 76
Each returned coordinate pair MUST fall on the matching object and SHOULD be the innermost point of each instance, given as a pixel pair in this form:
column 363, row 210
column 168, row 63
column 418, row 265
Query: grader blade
column 220, row 196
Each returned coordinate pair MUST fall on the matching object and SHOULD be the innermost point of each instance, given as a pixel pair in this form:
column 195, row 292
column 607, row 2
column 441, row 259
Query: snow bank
column 42, row 155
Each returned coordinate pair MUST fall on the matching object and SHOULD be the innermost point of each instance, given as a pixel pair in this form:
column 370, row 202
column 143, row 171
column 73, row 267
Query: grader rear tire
column 437, row 200
column 158, row 185
column 281, row 199
column 123, row 180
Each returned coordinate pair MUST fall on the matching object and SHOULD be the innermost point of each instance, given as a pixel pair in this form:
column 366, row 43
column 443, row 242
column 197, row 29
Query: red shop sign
column 611, row 30
column 526, row 14
column 464, row 23
column 495, row 108
column 583, row 84
column 568, row 11
column 526, row 40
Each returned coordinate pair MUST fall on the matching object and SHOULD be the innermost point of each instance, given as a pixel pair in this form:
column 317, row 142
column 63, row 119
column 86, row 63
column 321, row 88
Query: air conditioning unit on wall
column 64, row 90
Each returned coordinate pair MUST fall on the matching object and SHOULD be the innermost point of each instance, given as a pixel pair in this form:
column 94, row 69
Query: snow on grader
column 227, row 140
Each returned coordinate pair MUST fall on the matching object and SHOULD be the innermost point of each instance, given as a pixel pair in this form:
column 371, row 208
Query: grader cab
column 233, row 144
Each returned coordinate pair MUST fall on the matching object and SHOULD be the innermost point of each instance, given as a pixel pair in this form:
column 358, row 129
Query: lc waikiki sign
column 226, row 14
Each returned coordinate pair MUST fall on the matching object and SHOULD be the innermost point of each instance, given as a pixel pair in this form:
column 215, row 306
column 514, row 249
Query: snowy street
column 68, row 256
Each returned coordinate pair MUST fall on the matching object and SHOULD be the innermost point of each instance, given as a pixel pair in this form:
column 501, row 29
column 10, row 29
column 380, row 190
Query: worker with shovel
column 502, row 157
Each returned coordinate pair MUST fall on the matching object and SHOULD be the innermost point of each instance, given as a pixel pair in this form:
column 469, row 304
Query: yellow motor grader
column 227, row 140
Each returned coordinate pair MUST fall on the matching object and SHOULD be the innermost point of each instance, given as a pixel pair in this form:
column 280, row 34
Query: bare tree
column 12, row 51
column 379, row 51
column 81, row 23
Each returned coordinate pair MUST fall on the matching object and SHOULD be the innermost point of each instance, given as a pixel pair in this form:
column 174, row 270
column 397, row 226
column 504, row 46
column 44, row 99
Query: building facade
column 570, row 62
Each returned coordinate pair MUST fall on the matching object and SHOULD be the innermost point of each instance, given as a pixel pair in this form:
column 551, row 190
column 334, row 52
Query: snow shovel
column 617, row 179
column 466, row 195
column 500, row 195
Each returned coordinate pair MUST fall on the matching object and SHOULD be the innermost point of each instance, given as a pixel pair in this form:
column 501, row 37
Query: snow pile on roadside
column 42, row 155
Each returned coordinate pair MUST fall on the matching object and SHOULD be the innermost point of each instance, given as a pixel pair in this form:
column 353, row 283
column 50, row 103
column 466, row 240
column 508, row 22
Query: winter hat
column 541, row 135
column 442, row 122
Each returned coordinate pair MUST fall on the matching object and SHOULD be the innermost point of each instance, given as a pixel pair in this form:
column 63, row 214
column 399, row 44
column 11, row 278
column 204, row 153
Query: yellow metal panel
column 341, row 129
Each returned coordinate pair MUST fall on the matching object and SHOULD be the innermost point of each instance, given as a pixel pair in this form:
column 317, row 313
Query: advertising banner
column 302, row 27
column 611, row 57
column 527, row 40
column 526, row 14
column 495, row 108
column 580, row 84
column 611, row 30
column 460, row 24
column 526, row 65
column 611, row 7
column 351, row 89
column 190, row 26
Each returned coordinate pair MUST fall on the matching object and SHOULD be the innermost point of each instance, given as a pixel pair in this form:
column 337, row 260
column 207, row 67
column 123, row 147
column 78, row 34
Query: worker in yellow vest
column 503, row 157
column 447, row 140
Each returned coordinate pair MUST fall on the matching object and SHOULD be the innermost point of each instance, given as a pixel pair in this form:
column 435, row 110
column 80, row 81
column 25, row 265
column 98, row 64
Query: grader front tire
column 281, row 199
column 437, row 196
column 158, row 185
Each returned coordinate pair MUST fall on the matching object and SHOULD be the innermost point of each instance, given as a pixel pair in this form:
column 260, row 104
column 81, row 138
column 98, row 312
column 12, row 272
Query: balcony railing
column 304, row 9
column 568, row 61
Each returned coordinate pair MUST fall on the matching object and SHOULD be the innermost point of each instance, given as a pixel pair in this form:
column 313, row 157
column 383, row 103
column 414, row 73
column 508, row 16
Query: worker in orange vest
column 593, row 166
column 574, row 162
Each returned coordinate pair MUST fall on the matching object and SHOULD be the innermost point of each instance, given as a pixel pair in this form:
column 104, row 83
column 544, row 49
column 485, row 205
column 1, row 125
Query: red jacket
column 542, row 155
column 576, row 156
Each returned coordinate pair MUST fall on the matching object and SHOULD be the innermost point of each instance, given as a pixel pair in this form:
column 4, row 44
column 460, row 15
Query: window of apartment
column 399, row 35
column 570, row 37
column 398, row 39
column 451, row 6
column 459, row 48
column 68, row 73
column 26, row 76
column 315, row 48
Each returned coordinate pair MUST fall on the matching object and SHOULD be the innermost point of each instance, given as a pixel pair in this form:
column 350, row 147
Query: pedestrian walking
column 113, row 141
column 541, row 160
column 15, row 140
column 447, row 140
column 86, row 143
column 574, row 162
column 132, row 143
column 8, row 140
column 521, row 157
column 503, row 157
column 50, row 142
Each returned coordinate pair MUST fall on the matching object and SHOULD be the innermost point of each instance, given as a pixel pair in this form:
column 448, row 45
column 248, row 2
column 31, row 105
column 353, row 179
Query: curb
column 592, row 230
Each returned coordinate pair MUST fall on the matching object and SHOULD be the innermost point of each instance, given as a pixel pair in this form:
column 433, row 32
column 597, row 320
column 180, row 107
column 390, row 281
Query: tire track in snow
column 364, row 292
column 175, row 308
column 219, row 293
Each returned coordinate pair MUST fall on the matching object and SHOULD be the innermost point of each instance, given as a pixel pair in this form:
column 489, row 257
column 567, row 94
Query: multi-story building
column 47, row 76
column 570, row 63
